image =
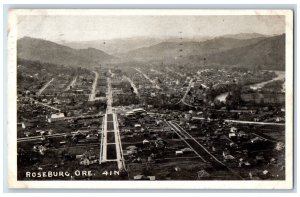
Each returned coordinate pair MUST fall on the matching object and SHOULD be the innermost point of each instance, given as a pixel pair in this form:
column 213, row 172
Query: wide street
column 111, row 148
column 93, row 91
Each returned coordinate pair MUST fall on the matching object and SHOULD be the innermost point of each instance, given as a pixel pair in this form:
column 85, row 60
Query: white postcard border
column 12, row 109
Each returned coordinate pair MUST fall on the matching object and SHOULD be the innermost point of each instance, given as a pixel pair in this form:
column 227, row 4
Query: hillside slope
column 166, row 50
column 50, row 52
column 267, row 54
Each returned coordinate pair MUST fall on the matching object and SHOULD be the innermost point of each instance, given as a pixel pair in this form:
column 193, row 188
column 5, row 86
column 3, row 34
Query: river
column 280, row 76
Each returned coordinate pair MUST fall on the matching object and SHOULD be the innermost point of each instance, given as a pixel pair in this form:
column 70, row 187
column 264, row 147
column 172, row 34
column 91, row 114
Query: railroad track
column 184, row 138
column 200, row 150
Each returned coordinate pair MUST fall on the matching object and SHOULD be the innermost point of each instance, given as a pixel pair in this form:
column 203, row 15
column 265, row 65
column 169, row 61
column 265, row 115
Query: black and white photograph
column 150, row 97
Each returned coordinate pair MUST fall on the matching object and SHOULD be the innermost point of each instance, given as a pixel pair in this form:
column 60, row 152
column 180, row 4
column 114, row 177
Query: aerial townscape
column 159, row 109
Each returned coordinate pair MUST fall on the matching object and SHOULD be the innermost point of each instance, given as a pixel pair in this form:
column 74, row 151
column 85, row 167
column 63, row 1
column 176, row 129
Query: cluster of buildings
column 63, row 122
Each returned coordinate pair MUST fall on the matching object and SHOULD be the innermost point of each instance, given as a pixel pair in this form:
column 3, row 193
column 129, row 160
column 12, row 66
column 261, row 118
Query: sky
column 85, row 28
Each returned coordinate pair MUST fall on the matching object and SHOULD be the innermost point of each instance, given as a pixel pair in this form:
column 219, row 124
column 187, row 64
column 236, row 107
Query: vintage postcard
column 153, row 99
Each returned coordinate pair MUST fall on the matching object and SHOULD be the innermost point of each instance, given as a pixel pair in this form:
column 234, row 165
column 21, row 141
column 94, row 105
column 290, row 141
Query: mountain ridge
column 51, row 52
column 166, row 50
column 259, row 51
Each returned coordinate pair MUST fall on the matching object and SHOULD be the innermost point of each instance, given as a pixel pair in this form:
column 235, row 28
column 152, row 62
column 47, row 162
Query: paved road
column 186, row 93
column 71, row 84
column 109, row 96
column 135, row 90
column 46, row 105
column 181, row 75
column 247, row 122
column 38, row 137
column 34, row 138
column 82, row 116
column 253, row 122
column 187, row 90
column 93, row 92
column 44, row 87
column 110, row 125
column 111, row 73
column 148, row 78
column 156, row 71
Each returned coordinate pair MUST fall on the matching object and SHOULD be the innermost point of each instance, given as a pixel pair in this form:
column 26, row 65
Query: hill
column 266, row 54
column 124, row 45
column 50, row 52
column 115, row 46
column 170, row 50
column 243, row 36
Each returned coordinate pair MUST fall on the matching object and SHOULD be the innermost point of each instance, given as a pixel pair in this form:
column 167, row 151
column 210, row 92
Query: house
column 27, row 133
column 131, row 152
column 177, row 169
column 145, row 142
column 79, row 156
column 139, row 111
column 232, row 135
column 256, row 140
column 178, row 153
column 128, row 114
column 264, row 174
column 233, row 130
column 159, row 143
column 137, row 126
column 151, row 178
column 56, row 117
column 41, row 132
column 229, row 157
column 186, row 150
column 131, row 148
column 139, row 177
column 244, row 164
column 203, row 174
column 27, row 125
column 39, row 148
column 85, row 162
column 259, row 158
column 242, row 134
column 92, row 137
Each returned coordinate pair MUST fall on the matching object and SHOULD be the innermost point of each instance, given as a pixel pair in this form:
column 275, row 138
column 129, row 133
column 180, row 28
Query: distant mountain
column 170, row 50
column 50, row 52
column 268, row 53
column 121, row 46
column 114, row 46
column 243, row 36
column 261, row 52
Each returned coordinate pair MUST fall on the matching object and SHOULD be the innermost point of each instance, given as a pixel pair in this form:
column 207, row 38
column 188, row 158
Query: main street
column 148, row 78
column 135, row 90
column 46, row 105
column 156, row 71
column 39, row 137
column 71, row 84
column 111, row 146
column 246, row 122
column 93, row 91
column 44, row 87
column 186, row 93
